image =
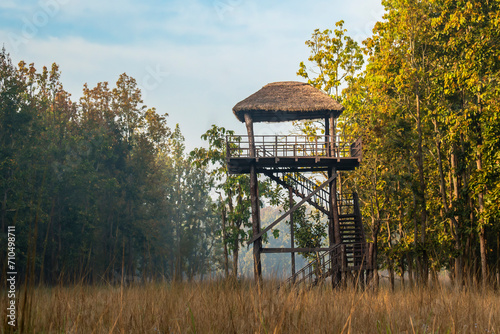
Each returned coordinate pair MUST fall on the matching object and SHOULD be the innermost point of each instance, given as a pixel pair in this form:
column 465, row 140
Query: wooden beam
column 254, row 198
column 327, row 137
column 333, row 134
column 251, row 139
column 294, row 250
column 283, row 216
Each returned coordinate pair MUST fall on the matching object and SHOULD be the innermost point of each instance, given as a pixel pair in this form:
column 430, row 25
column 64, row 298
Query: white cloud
column 213, row 62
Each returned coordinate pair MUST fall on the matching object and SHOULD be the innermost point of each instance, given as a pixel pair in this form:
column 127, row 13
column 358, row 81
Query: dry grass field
column 220, row 307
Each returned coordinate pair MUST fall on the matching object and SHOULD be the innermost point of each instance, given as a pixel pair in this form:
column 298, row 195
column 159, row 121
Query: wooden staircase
column 339, row 258
column 352, row 253
column 351, row 225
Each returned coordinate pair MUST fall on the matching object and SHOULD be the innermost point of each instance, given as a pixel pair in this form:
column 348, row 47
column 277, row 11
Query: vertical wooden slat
column 316, row 142
column 295, row 148
column 275, row 146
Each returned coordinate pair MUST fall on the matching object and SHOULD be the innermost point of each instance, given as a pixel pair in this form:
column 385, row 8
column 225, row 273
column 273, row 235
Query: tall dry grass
column 221, row 307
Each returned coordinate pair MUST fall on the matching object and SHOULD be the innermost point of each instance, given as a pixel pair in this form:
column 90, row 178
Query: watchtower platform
column 292, row 153
column 286, row 159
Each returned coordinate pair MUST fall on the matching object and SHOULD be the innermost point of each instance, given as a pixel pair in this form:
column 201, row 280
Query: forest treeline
column 426, row 105
column 103, row 186
column 98, row 187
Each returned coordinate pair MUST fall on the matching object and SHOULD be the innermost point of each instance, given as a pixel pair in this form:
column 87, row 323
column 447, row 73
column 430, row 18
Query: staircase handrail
column 302, row 187
column 309, row 267
column 341, row 260
column 288, row 146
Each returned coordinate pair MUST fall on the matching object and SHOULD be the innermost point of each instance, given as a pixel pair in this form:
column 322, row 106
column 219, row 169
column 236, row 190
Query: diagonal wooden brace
column 283, row 216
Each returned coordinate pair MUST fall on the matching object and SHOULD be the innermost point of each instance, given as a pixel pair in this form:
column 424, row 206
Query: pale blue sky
column 194, row 59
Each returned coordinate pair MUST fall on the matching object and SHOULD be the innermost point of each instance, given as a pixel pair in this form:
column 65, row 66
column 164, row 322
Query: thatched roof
column 286, row 101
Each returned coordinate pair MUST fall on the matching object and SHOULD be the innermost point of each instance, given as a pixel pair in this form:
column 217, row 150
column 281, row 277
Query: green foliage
column 233, row 190
column 335, row 56
column 99, row 186
column 310, row 230
column 426, row 107
column 234, row 193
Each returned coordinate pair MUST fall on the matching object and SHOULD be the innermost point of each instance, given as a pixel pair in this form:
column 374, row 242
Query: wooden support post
column 334, row 232
column 331, row 132
column 334, row 225
column 336, row 260
column 305, row 199
column 257, row 244
column 292, row 240
column 327, row 138
column 251, row 138
column 254, row 198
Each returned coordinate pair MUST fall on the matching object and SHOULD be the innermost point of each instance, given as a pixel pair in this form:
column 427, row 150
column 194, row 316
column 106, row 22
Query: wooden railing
column 340, row 257
column 293, row 146
column 321, row 267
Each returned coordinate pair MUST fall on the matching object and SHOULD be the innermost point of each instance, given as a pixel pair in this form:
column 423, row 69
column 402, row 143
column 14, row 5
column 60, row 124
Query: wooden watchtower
column 287, row 160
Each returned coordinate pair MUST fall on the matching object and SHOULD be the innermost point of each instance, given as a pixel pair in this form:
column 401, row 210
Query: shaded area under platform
column 298, row 164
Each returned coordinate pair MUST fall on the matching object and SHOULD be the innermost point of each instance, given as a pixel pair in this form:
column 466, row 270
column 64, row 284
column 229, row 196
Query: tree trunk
column 484, row 265
column 402, row 274
column 410, row 270
column 455, row 181
column 236, row 251
column 479, row 165
column 334, row 232
column 224, row 241
column 375, row 232
column 424, row 265
column 482, row 234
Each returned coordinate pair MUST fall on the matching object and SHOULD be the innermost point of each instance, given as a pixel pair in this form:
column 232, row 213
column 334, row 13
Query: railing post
column 240, row 152
column 316, row 140
column 295, row 148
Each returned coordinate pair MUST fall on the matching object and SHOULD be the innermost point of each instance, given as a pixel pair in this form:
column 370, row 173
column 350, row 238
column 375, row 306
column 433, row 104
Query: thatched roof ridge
column 285, row 101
